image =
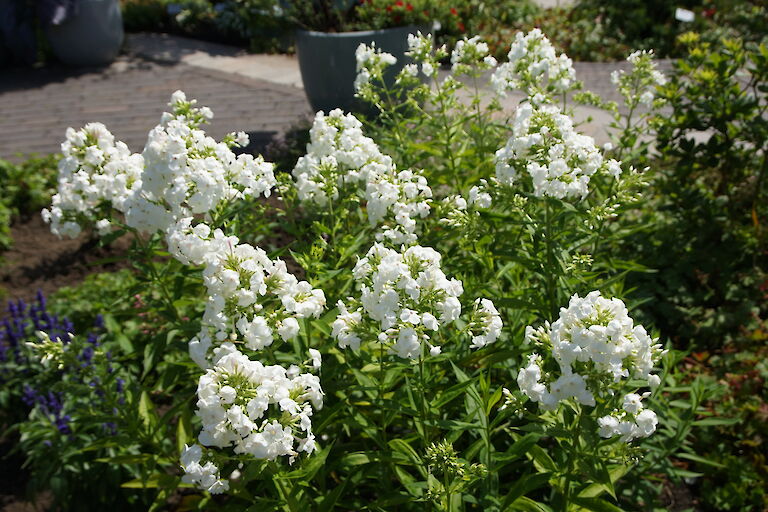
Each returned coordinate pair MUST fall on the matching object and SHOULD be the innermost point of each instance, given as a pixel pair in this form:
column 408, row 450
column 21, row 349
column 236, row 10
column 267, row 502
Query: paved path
column 259, row 94
column 37, row 105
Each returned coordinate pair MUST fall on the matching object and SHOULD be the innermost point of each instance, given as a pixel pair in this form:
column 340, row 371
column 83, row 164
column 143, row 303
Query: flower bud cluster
column 95, row 174
column 205, row 476
column 485, row 325
column 534, row 67
column 263, row 411
column 404, row 295
column 640, row 84
column 559, row 160
column 250, row 297
column 339, row 155
column 471, row 56
column 595, row 345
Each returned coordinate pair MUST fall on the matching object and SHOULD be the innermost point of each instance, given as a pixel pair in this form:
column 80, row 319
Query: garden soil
column 41, row 261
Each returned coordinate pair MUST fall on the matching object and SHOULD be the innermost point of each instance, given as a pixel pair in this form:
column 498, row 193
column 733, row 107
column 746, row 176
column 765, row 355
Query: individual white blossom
column 404, row 296
column 258, row 410
column 545, row 145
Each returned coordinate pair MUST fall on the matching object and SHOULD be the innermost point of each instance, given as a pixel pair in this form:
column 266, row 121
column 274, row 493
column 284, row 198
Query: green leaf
column 520, row 448
column 596, row 505
column 528, row 505
column 523, row 486
column 699, row 459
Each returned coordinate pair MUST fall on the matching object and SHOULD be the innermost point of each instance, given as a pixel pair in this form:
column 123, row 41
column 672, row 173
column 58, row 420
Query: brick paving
column 37, row 105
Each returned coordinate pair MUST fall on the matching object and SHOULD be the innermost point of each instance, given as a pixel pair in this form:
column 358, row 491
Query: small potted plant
column 330, row 32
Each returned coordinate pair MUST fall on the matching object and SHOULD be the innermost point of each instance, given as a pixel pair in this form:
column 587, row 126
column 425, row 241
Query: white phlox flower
column 181, row 172
column 339, row 157
column 251, row 298
column 259, row 410
column 96, row 174
column 631, row 421
column 204, row 476
column 371, row 63
column 187, row 172
column 597, row 349
column 545, row 146
column 485, row 326
column 471, row 55
column 640, row 84
column 404, row 296
column 534, row 67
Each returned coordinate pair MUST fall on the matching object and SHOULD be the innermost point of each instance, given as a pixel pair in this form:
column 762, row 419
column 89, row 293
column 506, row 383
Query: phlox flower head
column 262, row 411
column 545, row 146
column 341, row 160
column 205, row 476
column 485, row 325
column 404, row 296
column 188, row 173
column 596, row 348
column 534, row 67
column 640, row 84
column 251, row 299
column 471, row 55
column 96, row 174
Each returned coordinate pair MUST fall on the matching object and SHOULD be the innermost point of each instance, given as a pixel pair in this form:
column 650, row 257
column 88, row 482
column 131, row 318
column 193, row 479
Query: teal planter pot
column 328, row 66
column 90, row 36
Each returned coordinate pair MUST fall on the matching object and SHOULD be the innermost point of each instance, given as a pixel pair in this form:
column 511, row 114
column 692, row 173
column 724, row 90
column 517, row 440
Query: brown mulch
column 39, row 260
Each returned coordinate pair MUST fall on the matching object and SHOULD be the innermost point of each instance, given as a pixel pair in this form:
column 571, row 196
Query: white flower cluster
column 403, row 295
column 471, row 55
column 420, row 48
column 559, row 160
column 250, row 297
column 534, row 67
column 630, row 422
column 595, row 344
column 181, row 172
column 371, row 63
column 187, row 172
column 205, row 476
column 406, row 195
column 640, row 84
column 486, row 323
column 95, row 174
column 338, row 154
column 263, row 411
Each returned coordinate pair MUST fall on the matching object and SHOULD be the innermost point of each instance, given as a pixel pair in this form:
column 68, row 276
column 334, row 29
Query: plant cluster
column 428, row 312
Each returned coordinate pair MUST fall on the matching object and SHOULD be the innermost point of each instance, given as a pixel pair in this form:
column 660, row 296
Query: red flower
column 461, row 27
column 399, row 3
column 454, row 11
column 408, row 7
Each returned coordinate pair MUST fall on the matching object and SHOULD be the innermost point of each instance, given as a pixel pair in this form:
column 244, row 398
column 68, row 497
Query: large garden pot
column 90, row 36
column 328, row 65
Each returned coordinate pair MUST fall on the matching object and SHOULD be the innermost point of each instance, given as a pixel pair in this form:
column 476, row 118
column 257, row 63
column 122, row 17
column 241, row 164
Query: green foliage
column 25, row 189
